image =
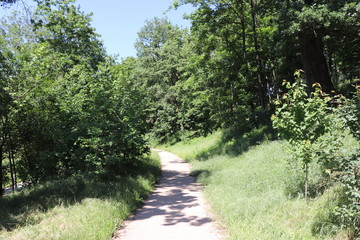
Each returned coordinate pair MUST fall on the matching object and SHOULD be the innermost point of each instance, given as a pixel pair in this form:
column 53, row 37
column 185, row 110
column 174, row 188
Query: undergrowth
column 81, row 207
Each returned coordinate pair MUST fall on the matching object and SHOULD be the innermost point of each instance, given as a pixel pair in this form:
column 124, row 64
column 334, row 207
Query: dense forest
column 68, row 108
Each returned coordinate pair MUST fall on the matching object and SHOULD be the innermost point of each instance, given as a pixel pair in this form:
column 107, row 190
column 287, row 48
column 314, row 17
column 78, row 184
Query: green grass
column 76, row 208
column 249, row 191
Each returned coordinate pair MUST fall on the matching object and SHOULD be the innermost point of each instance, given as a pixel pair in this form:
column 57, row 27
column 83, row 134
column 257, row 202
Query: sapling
column 302, row 120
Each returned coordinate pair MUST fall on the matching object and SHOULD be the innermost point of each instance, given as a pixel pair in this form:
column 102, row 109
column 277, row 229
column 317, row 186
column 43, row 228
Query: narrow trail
column 174, row 211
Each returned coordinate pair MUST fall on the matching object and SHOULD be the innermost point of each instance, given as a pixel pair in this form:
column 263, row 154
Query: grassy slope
column 248, row 191
column 75, row 208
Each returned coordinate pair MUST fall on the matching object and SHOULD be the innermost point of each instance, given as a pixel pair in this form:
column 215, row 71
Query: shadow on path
column 172, row 202
column 175, row 210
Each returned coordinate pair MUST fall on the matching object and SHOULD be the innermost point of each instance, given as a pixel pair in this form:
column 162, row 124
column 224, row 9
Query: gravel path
column 174, row 211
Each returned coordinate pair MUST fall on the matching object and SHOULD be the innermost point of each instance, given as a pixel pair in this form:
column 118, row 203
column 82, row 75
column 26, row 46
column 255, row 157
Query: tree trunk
column 243, row 32
column 12, row 170
column 1, row 172
column 314, row 61
column 315, row 65
column 14, row 166
column 232, row 107
column 259, row 72
column 306, row 190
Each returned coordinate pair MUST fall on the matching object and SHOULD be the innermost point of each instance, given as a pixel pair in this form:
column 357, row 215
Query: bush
column 347, row 214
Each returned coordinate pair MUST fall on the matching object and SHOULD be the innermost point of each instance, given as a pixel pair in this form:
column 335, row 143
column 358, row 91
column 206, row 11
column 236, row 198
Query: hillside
column 256, row 193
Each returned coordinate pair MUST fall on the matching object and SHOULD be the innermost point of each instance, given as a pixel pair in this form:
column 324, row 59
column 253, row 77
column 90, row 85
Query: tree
column 244, row 49
column 310, row 22
column 12, row 50
column 76, row 116
column 6, row 103
column 302, row 121
column 233, row 41
column 117, row 141
column 68, row 30
column 159, row 48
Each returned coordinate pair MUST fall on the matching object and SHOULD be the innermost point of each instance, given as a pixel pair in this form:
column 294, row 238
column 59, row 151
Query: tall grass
column 249, row 191
column 78, row 208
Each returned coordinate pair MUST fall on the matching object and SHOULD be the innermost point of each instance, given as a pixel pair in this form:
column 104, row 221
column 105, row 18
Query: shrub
column 348, row 172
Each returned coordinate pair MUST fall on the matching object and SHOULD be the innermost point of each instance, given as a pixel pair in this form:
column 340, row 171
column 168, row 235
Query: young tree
column 302, row 121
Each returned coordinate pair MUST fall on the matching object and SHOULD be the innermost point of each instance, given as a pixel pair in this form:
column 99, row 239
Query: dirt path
column 174, row 211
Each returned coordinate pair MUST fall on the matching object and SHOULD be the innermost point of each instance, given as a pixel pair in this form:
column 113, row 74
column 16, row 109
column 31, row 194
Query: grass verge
column 249, row 190
column 78, row 208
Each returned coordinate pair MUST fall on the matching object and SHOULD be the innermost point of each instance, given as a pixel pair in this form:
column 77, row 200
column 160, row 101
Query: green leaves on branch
column 300, row 118
column 348, row 212
column 303, row 120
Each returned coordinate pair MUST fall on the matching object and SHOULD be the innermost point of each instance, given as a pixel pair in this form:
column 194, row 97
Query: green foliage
column 67, row 30
column 351, row 113
column 68, row 107
column 159, row 70
column 117, row 140
column 227, row 70
column 312, row 125
column 347, row 172
column 227, row 60
column 347, row 214
column 303, row 120
column 331, row 22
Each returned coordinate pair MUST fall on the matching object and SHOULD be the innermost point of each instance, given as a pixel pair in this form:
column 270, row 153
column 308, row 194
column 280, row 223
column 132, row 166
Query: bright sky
column 118, row 21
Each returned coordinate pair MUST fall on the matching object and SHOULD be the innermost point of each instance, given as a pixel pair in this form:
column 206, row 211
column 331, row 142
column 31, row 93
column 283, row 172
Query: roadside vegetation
column 80, row 207
column 257, row 193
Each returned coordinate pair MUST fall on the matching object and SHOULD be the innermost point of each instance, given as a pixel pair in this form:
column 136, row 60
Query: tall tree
column 311, row 22
column 159, row 48
column 6, row 103
column 233, row 39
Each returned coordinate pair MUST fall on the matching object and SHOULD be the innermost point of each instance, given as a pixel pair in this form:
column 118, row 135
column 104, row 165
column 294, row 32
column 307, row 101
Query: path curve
column 174, row 211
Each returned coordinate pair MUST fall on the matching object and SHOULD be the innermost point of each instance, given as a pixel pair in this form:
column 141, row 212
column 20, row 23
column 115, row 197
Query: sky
column 119, row 21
